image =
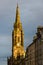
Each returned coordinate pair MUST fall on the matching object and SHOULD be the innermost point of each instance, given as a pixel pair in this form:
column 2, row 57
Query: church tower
column 18, row 37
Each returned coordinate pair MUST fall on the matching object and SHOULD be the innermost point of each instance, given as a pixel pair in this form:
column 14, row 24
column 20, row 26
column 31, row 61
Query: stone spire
column 17, row 14
column 17, row 20
column 18, row 37
column 17, row 23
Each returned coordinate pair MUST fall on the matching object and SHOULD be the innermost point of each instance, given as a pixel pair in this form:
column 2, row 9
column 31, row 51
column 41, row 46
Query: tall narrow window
column 18, row 39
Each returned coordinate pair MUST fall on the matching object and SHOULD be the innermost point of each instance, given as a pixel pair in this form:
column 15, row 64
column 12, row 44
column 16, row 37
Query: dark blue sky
column 31, row 12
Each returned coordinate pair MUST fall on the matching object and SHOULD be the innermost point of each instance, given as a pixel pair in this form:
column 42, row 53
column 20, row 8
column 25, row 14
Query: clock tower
column 18, row 37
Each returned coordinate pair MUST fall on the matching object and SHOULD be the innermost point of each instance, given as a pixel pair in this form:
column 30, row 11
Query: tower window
column 18, row 39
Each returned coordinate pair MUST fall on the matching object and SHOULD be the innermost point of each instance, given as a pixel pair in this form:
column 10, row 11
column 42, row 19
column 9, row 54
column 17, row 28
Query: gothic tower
column 18, row 37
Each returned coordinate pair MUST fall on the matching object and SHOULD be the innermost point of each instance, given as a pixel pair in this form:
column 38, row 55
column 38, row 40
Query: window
column 18, row 39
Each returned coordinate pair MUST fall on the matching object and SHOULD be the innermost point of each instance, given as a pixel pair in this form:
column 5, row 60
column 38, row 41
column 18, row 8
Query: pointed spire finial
column 17, row 13
column 17, row 20
column 17, row 5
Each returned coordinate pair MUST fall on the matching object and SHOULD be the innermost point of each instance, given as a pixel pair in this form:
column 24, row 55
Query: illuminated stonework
column 18, row 37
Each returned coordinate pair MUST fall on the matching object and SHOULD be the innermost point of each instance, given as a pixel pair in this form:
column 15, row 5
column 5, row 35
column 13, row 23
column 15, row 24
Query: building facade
column 34, row 52
column 39, row 46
